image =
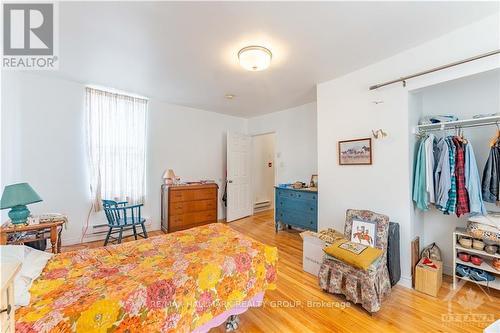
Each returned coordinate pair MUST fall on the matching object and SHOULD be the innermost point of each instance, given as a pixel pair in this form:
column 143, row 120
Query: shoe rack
column 486, row 265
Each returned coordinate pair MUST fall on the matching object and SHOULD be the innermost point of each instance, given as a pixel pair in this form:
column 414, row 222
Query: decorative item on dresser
column 296, row 207
column 188, row 205
column 7, row 307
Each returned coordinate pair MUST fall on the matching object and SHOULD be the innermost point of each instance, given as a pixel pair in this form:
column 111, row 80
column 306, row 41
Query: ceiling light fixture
column 229, row 96
column 255, row 58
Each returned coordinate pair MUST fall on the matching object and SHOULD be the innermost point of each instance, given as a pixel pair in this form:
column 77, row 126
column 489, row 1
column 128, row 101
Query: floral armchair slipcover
column 368, row 287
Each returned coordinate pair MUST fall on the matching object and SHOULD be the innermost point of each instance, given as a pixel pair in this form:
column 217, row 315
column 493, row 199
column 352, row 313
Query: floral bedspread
column 174, row 282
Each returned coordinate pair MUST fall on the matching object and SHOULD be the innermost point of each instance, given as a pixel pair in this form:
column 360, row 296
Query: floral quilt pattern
column 174, row 282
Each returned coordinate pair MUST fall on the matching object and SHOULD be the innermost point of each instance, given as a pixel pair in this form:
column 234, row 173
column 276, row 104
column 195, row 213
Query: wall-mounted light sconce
column 379, row 134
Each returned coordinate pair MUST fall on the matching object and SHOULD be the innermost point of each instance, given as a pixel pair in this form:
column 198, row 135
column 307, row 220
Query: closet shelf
column 486, row 121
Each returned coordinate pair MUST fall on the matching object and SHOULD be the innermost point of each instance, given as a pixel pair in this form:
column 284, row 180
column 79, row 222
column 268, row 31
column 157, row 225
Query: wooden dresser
column 297, row 208
column 187, row 206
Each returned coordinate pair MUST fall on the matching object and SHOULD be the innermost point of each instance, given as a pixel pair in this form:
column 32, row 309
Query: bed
column 186, row 281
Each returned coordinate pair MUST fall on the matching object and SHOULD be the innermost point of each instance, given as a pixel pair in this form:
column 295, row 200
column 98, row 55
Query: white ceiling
column 185, row 53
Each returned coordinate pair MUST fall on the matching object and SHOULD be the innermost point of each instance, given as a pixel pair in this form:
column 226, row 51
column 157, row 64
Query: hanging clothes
column 429, row 167
column 442, row 175
column 462, row 196
column 420, row 195
column 473, row 182
column 452, row 193
column 491, row 177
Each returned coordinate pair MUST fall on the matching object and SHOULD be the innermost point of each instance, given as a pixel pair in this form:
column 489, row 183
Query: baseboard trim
column 405, row 282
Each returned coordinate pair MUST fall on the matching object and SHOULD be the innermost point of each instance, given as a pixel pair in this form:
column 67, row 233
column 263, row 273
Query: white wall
column 296, row 141
column 43, row 143
column 464, row 97
column 191, row 142
column 262, row 174
column 346, row 110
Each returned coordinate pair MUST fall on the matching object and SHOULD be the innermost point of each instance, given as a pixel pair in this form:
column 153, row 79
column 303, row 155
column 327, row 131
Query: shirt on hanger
column 420, row 195
column 473, row 182
column 429, row 167
column 452, row 194
column 442, row 175
column 462, row 196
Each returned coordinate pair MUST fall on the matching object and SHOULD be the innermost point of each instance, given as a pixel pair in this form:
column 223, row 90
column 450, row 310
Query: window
column 116, row 142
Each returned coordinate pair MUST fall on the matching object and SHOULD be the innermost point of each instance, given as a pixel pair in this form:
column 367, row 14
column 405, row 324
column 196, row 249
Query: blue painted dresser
column 297, row 208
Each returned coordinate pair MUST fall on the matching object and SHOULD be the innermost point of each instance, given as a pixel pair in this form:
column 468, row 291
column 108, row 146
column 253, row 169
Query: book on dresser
column 188, row 205
column 296, row 208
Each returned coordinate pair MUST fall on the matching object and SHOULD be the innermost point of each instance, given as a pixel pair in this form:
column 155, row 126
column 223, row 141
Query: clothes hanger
column 494, row 140
column 462, row 137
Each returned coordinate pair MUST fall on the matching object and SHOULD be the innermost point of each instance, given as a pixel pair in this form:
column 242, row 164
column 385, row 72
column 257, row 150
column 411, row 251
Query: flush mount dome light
column 254, row 58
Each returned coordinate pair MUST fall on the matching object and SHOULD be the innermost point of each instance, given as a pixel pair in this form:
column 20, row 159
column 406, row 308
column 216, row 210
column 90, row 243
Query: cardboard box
column 428, row 280
column 312, row 254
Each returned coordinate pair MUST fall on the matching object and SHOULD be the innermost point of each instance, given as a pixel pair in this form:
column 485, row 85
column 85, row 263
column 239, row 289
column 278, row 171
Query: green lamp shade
column 17, row 196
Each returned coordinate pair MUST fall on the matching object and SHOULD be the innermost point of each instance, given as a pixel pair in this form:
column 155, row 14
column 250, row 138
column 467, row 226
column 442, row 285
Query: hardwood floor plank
column 286, row 309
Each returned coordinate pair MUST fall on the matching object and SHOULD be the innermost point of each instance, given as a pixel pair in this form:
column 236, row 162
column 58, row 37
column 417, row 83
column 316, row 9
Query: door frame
column 275, row 158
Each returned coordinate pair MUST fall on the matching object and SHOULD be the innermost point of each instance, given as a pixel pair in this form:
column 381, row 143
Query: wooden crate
column 428, row 280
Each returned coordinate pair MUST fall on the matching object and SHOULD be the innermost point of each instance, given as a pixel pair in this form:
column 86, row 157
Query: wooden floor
column 298, row 304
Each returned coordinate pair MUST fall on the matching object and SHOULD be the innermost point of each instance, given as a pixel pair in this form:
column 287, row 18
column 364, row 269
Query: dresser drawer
column 304, row 206
column 182, row 207
column 188, row 219
column 190, row 195
column 298, row 195
column 306, row 221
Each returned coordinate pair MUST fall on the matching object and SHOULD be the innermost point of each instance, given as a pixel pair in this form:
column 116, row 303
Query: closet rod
column 445, row 128
column 435, row 69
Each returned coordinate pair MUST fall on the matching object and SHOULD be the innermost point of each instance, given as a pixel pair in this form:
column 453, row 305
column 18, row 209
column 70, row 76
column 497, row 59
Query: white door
column 238, row 176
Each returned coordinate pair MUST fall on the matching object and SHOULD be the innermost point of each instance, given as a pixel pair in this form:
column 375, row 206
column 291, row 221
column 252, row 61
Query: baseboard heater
column 102, row 229
column 261, row 204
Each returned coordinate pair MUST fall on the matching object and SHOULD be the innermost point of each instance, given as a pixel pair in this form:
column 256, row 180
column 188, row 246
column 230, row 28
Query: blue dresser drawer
column 308, row 206
column 296, row 208
column 297, row 194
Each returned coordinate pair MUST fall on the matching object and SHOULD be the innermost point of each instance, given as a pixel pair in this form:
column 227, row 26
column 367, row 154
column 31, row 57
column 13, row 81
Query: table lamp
column 16, row 197
column 169, row 177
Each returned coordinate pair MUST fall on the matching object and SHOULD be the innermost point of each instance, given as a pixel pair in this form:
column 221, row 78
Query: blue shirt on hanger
column 473, row 182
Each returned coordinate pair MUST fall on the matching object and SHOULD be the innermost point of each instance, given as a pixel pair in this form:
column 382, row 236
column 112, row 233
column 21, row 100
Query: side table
column 44, row 230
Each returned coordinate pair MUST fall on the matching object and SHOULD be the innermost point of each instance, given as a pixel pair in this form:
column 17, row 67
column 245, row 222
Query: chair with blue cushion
column 122, row 217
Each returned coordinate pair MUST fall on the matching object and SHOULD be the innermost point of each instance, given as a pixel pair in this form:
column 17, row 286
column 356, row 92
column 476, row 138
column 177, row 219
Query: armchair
column 122, row 218
column 368, row 287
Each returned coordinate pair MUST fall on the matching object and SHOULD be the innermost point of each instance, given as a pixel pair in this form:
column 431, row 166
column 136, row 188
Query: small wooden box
column 428, row 280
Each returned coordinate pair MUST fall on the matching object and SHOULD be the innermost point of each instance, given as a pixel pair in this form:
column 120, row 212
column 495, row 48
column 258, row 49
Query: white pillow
column 33, row 262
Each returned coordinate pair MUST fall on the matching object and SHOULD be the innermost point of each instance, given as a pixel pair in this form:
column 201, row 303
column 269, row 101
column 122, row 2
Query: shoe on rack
column 480, row 275
column 463, row 271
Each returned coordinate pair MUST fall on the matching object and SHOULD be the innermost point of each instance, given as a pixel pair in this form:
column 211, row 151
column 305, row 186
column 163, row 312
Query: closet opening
column 263, row 171
column 472, row 97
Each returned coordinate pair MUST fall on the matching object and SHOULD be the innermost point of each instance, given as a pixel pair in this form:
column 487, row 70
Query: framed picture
column 314, row 181
column 355, row 152
column 363, row 232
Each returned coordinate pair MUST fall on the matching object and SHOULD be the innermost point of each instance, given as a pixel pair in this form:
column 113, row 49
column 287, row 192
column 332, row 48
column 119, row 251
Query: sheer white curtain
column 116, row 141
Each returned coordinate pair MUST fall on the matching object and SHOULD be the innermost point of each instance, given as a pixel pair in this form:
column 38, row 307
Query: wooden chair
column 122, row 218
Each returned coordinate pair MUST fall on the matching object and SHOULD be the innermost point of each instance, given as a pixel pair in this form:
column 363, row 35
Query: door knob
column 229, row 181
